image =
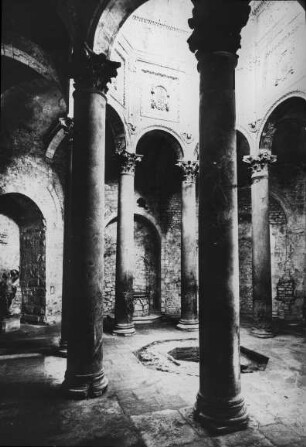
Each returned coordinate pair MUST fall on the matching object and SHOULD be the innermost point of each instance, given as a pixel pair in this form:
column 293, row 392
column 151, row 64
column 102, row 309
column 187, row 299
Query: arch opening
column 23, row 236
column 289, row 139
column 147, row 268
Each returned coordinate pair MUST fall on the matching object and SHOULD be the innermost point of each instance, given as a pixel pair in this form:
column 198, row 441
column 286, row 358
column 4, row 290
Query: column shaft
column 262, row 293
column 85, row 375
column 189, row 317
column 66, row 256
column 262, row 287
column 219, row 404
column 124, row 306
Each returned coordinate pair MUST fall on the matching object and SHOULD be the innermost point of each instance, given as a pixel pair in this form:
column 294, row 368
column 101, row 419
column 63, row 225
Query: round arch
column 109, row 18
column 147, row 262
column 176, row 137
column 141, row 214
column 46, row 192
column 273, row 106
column 24, row 212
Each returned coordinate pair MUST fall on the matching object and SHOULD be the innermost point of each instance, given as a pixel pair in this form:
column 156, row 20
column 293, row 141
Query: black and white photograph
column 153, row 223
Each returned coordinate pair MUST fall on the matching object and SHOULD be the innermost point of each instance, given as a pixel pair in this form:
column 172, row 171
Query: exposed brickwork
column 33, row 272
column 156, row 274
column 287, row 236
column 32, row 179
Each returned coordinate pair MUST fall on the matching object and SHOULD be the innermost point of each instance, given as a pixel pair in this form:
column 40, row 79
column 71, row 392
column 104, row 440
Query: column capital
column 128, row 161
column 216, row 26
column 190, row 169
column 92, row 71
column 261, row 161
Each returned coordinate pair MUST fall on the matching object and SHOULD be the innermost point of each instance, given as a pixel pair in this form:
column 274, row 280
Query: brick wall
column 287, row 237
column 146, row 264
column 158, row 265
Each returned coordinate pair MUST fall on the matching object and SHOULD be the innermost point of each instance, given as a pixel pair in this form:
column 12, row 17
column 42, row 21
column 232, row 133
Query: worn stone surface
column 165, row 428
column 141, row 402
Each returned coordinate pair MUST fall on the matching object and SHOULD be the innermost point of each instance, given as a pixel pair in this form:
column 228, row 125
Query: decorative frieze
column 128, row 162
column 160, row 98
column 261, row 161
column 189, row 169
column 91, row 70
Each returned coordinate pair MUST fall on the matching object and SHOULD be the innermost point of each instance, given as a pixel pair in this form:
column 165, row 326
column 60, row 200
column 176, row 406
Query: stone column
column 67, row 125
column 124, row 300
column 189, row 284
column 216, row 38
column 262, row 288
column 85, row 375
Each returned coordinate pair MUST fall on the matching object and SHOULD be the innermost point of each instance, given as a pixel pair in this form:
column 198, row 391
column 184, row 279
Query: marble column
column 216, row 37
column 189, row 284
column 67, row 125
column 262, row 287
column 85, row 375
column 124, row 299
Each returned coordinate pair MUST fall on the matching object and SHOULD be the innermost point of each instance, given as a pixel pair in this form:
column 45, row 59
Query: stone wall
column 33, row 272
column 157, row 249
column 31, row 178
column 10, row 254
column 287, row 237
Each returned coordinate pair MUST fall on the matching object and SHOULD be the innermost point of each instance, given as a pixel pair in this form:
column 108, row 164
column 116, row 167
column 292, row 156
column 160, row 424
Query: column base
column 188, row 325
column 124, row 329
column 221, row 417
column 76, row 386
column 262, row 333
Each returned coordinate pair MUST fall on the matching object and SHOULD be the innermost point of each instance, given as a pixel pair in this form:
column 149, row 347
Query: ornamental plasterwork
column 132, row 129
column 159, row 24
column 257, row 7
column 187, row 137
column 160, row 98
column 255, row 125
column 261, row 161
column 159, row 94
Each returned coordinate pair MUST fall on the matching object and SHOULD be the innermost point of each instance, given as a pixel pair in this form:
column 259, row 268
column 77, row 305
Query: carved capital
column 216, row 25
column 91, row 70
column 262, row 161
column 128, row 162
column 189, row 169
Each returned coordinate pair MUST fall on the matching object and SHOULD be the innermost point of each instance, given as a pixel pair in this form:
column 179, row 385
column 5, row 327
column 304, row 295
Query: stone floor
column 144, row 406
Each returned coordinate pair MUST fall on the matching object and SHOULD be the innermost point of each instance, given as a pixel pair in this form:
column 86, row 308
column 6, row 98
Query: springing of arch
column 274, row 105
